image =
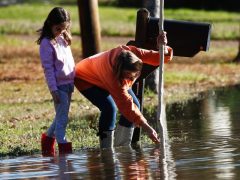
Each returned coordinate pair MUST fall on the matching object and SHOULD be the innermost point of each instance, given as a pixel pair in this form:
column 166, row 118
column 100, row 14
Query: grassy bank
column 26, row 19
column 26, row 105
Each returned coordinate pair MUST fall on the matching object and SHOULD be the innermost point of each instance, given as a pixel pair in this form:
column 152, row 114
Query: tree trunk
column 152, row 81
column 237, row 58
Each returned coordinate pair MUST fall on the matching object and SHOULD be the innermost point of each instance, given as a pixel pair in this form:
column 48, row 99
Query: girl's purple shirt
column 57, row 62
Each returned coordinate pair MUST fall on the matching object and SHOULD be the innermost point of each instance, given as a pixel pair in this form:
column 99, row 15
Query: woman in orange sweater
column 106, row 80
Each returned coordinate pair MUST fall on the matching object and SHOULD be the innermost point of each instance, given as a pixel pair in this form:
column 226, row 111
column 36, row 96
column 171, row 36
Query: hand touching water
column 152, row 134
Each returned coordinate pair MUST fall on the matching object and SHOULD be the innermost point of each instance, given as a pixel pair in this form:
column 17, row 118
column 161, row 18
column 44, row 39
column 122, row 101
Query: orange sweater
column 98, row 70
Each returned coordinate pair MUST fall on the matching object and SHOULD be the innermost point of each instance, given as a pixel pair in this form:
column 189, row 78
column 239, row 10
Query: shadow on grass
column 19, row 151
column 82, row 122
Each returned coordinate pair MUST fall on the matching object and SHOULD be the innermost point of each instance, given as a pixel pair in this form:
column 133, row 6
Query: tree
column 237, row 58
column 152, row 81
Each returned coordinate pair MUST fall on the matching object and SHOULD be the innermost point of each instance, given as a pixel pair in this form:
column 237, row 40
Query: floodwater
column 202, row 142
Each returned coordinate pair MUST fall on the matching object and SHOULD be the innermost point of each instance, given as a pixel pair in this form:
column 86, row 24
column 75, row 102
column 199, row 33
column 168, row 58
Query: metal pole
column 161, row 72
column 161, row 123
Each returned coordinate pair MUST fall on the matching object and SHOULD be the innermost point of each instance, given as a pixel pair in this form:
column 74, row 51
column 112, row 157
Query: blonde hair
column 126, row 61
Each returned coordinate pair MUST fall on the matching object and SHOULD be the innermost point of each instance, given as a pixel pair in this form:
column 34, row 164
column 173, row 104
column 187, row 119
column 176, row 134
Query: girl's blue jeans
column 58, row 127
column 104, row 101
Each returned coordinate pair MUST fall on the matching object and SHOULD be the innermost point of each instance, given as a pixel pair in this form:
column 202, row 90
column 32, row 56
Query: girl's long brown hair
column 126, row 61
column 58, row 15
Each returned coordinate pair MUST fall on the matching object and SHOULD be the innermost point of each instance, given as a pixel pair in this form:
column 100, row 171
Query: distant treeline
column 228, row 5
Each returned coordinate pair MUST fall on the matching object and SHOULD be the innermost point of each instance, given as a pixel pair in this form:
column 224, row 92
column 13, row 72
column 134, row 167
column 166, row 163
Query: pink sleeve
column 47, row 60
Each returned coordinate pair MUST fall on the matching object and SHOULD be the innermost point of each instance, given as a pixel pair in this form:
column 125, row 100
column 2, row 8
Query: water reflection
column 203, row 142
column 205, row 135
column 218, row 121
column 121, row 163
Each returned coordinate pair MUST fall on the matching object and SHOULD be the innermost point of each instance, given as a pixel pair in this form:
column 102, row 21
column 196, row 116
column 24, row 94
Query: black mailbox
column 186, row 38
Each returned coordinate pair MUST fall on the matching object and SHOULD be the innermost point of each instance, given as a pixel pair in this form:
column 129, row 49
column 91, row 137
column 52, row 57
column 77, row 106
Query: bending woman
column 106, row 79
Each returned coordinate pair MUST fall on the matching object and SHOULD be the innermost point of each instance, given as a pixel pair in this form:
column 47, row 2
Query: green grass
column 114, row 21
column 184, row 77
column 26, row 105
column 202, row 15
column 27, row 113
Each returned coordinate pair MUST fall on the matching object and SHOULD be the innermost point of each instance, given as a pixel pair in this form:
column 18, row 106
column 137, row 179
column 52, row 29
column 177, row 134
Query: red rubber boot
column 48, row 145
column 65, row 148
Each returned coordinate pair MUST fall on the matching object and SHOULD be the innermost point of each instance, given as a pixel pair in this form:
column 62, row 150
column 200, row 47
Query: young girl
column 58, row 65
column 106, row 80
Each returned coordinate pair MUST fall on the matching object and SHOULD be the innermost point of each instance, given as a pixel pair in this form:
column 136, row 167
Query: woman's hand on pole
column 162, row 40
